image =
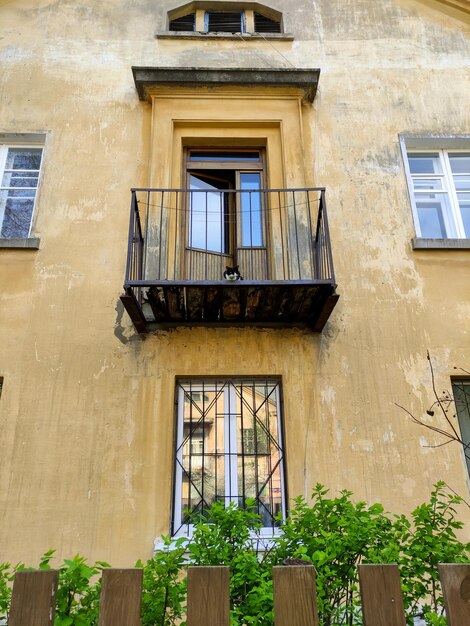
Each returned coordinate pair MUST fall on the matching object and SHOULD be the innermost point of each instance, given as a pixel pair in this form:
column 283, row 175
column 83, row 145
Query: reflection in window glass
column 441, row 193
column 19, row 183
column 431, row 219
column 208, row 217
column 250, row 207
column 229, row 449
column 424, row 163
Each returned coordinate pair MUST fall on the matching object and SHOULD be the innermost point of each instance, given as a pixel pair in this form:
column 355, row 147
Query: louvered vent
column 265, row 24
column 224, row 22
column 186, row 22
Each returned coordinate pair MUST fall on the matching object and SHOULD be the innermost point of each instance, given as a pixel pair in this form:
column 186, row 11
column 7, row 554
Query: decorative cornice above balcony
column 147, row 78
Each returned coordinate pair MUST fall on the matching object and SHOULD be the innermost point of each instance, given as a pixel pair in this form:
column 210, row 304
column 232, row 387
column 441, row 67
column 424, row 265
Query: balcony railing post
column 131, row 237
column 331, row 273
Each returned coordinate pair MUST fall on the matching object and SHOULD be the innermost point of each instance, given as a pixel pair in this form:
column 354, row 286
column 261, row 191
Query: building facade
column 284, row 191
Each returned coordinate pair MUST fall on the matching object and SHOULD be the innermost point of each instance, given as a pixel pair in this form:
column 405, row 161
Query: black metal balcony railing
column 181, row 241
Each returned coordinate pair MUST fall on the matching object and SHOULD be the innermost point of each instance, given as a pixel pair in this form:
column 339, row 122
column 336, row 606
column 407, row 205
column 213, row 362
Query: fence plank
column 121, row 592
column 33, row 598
column 295, row 598
column 208, row 596
column 455, row 580
column 382, row 600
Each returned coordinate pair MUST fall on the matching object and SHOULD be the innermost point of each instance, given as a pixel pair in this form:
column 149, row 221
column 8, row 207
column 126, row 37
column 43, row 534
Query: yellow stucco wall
column 86, row 437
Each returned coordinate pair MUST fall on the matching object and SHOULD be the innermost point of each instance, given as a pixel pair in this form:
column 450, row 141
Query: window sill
column 183, row 34
column 419, row 243
column 30, row 243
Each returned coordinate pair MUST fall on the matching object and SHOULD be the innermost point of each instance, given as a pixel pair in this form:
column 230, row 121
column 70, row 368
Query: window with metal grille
column 225, row 21
column 228, row 448
column 265, row 24
column 184, row 23
column 461, row 390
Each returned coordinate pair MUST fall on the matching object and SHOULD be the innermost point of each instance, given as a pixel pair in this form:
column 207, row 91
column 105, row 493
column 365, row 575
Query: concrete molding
column 181, row 34
column 31, row 243
column 146, row 78
column 420, row 243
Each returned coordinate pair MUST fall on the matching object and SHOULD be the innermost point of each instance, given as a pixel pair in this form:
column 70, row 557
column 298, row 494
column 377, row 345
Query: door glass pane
column 208, row 217
column 425, row 163
column 250, row 210
column 464, row 204
column 431, row 209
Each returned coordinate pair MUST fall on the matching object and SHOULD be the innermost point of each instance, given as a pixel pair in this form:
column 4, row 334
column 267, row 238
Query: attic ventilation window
column 265, row 24
column 184, row 23
column 228, row 19
column 224, row 21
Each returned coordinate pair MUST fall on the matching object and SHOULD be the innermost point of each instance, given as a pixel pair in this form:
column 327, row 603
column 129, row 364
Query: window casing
column 19, row 175
column 230, row 19
column 228, row 448
column 440, row 192
column 461, row 391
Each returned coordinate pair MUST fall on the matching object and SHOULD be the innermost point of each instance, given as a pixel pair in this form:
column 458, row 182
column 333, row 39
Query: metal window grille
column 229, row 449
column 265, row 24
column 461, row 390
column 224, row 21
column 184, row 23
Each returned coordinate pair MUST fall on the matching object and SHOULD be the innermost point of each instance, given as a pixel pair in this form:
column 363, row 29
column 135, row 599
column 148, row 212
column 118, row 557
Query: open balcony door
column 225, row 221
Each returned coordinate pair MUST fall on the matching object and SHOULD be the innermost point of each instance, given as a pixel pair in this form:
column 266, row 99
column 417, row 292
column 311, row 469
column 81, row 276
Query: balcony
column 181, row 241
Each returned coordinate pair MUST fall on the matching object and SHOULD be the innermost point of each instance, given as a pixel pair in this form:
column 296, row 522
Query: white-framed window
column 20, row 167
column 438, row 173
column 228, row 448
column 461, row 391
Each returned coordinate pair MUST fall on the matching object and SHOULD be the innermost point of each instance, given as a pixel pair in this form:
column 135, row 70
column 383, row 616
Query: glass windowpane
column 425, row 163
column 461, row 389
column 208, row 217
column 250, row 207
column 427, row 183
column 23, row 159
column 464, row 205
column 459, row 163
column 462, row 183
column 17, row 214
column 431, row 215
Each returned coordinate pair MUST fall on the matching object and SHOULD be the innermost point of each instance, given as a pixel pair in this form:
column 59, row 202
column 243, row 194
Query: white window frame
column 230, row 449
column 441, row 145
column 4, row 148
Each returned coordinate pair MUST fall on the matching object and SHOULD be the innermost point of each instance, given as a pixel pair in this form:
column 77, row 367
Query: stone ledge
column 198, row 35
column 31, row 243
column 420, row 243
column 146, row 78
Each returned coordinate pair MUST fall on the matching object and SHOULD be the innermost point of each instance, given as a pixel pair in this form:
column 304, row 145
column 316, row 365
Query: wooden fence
column 33, row 598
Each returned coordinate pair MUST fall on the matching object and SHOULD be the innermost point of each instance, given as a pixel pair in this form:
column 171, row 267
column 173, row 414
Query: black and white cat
column 232, row 273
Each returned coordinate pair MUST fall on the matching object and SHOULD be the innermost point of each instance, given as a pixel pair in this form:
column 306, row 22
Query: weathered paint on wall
column 87, row 406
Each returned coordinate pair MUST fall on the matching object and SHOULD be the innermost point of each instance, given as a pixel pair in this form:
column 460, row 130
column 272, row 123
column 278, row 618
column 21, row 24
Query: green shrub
column 334, row 534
